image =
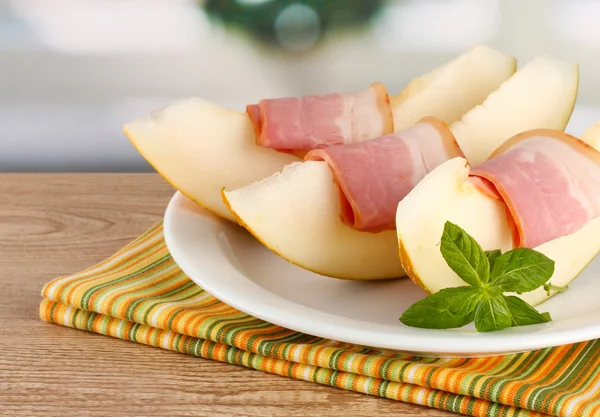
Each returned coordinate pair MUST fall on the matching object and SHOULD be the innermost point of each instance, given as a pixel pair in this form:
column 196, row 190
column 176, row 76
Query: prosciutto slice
column 319, row 121
column 549, row 180
column 375, row 175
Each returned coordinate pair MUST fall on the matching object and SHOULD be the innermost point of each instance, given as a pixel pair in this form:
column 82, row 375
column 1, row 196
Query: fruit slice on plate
column 445, row 194
column 452, row 89
column 541, row 94
column 296, row 214
column 334, row 214
column 200, row 148
column 451, row 192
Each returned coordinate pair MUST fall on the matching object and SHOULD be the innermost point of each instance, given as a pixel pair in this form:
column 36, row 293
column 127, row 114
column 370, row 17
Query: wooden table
column 56, row 224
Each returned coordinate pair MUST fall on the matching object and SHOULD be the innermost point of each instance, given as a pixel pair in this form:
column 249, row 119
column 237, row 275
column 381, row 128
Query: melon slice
column 200, row 148
column 541, row 94
column 296, row 214
column 591, row 136
column 452, row 89
column 446, row 194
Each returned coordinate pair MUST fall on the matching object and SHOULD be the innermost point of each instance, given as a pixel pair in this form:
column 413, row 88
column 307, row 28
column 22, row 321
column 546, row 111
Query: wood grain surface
column 55, row 224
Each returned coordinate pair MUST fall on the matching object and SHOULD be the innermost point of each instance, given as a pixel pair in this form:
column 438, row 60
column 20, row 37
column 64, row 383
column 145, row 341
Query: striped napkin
column 139, row 294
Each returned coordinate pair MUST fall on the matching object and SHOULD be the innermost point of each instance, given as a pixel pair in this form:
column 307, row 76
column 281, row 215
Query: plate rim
column 406, row 339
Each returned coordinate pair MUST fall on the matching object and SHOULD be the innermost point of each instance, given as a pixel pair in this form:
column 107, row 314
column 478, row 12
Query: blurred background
column 72, row 72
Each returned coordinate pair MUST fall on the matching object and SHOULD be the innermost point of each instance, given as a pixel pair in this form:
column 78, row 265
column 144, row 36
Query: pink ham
column 373, row 176
column 549, row 180
column 319, row 121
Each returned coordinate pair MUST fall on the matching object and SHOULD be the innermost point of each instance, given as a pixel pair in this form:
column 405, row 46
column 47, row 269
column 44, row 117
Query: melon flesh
column 445, row 194
column 296, row 214
column 200, row 148
column 452, row 89
column 591, row 136
column 539, row 95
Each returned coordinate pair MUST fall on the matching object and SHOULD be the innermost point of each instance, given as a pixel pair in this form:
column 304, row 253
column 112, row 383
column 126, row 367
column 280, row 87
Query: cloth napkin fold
column 140, row 294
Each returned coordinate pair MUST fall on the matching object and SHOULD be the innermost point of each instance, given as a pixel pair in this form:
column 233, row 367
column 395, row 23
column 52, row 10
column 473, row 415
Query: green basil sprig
column 489, row 275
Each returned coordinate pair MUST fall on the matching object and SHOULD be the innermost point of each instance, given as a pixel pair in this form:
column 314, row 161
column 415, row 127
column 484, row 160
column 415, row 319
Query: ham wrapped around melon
column 540, row 189
column 316, row 121
column 549, row 181
column 374, row 176
column 334, row 213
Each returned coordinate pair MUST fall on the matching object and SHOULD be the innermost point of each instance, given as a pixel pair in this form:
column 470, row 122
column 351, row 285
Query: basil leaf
column 492, row 255
column 464, row 255
column 521, row 270
column 492, row 314
column 446, row 309
column 524, row 314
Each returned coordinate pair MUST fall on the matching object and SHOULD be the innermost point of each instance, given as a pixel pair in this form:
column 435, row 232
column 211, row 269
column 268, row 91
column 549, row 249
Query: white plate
column 229, row 263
